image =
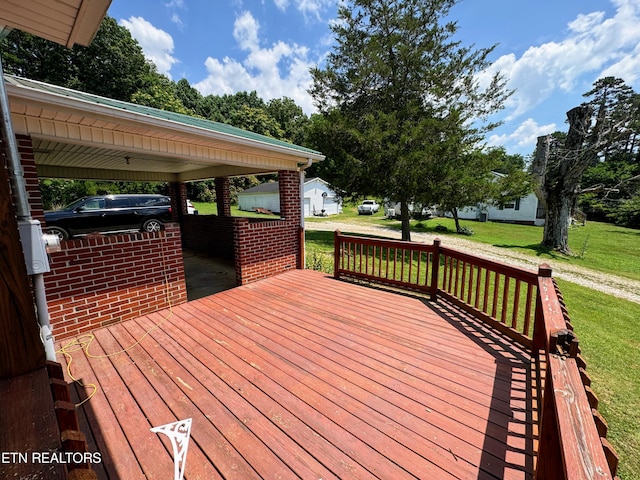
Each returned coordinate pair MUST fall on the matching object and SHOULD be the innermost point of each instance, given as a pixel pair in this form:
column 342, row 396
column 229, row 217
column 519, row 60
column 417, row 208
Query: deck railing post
column 550, row 463
column 336, row 254
column 539, row 331
column 435, row 269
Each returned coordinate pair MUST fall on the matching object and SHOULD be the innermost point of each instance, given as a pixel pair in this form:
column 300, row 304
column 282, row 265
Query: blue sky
column 551, row 52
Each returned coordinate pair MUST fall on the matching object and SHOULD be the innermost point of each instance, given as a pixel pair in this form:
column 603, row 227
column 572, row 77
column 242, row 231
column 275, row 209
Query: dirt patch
column 610, row 284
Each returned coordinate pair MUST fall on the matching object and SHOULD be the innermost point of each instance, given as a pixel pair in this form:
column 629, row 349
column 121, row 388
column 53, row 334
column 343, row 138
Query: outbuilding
column 318, row 197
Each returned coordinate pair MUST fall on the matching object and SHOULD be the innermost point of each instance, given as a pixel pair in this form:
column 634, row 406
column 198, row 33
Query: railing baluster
column 505, row 299
column 516, row 305
column 485, row 300
column 387, row 263
column 463, row 280
column 527, row 312
column 478, row 278
column 496, row 284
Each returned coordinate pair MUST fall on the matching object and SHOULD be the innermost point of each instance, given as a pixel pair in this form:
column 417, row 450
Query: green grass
column 206, row 208
column 609, row 332
column 600, row 246
column 608, row 329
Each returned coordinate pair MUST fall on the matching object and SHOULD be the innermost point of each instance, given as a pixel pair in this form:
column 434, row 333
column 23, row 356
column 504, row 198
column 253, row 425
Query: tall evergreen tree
column 400, row 98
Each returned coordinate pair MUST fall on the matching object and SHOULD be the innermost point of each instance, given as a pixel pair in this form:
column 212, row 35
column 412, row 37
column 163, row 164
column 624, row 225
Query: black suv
column 107, row 213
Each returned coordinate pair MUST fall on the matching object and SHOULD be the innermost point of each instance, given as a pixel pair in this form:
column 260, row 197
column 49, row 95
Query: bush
column 628, row 213
column 465, row 231
column 440, row 228
column 317, row 260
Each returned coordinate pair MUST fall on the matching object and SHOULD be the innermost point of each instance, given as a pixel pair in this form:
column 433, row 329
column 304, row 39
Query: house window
column 517, row 204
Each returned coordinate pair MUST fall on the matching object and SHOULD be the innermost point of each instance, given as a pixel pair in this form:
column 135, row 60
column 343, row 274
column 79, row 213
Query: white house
column 525, row 210
column 319, row 199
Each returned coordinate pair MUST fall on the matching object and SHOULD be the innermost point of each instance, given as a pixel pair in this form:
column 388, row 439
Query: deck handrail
column 528, row 307
column 572, row 434
column 499, row 294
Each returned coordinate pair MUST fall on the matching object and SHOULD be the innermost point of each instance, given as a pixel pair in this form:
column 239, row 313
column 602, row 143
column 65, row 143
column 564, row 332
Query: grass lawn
column 607, row 327
column 205, row 208
column 610, row 337
column 600, row 246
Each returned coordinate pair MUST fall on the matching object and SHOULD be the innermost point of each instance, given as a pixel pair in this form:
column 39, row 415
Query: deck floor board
column 303, row 376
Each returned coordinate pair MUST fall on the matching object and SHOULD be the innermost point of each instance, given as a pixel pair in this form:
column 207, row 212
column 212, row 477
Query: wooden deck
column 304, row 376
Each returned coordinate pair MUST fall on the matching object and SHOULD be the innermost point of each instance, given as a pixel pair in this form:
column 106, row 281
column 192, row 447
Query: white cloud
column 594, row 46
column 173, row 6
column 157, row 45
column 525, row 135
column 309, row 8
column 274, row 72
column 281, row 4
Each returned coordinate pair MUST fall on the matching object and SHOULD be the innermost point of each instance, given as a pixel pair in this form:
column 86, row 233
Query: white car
column 368, row 207
column 191, row 210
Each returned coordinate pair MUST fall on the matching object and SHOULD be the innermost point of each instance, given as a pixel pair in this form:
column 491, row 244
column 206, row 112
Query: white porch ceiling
column 67, row 22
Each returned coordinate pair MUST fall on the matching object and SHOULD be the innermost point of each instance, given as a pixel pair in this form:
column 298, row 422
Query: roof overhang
column 76, row 138
column 67, row 22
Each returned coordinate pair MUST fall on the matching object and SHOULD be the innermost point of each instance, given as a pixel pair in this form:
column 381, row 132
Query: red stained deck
column 304, row 376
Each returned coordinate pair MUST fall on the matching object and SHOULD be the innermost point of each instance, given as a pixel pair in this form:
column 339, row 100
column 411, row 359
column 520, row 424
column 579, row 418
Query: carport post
column 223, row 196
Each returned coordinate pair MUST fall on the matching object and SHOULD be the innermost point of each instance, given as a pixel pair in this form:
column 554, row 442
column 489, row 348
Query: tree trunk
column 405, row 219
column 559, row 172
column 558, row 220
column 454, row 212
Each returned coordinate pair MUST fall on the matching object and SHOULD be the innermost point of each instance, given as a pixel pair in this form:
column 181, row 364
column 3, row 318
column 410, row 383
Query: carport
column 95, row 281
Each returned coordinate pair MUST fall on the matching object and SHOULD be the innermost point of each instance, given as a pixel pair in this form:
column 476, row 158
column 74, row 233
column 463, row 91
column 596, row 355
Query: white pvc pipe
column 43, row 316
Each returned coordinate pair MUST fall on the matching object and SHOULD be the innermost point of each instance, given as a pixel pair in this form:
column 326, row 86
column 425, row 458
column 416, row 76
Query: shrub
column 465, row 231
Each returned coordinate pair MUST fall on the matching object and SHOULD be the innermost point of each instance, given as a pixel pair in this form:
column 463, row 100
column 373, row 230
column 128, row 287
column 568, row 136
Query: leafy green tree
column 160, row 92
column 482, row 177
column 290, row 117
column 112, row 66
column 191, row 98
column 400, row 99
column 614, row 145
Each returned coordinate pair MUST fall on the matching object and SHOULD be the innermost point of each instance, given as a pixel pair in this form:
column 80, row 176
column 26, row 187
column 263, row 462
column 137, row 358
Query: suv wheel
column 59, row 231
column 152, row 225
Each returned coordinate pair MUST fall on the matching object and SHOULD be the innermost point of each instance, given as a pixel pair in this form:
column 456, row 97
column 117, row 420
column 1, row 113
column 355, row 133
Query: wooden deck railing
column 499, row 294
column 526, row 306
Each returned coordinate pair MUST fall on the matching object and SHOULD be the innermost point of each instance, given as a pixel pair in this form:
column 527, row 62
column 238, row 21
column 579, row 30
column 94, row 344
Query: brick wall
column 95, row 281
column 209, row 234
column 25, row 148
column 266, row 248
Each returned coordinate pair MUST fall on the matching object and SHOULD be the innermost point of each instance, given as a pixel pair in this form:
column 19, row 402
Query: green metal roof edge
column 155, row 113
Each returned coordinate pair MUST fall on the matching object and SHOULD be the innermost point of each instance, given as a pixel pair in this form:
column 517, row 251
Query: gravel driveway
column 603, row 282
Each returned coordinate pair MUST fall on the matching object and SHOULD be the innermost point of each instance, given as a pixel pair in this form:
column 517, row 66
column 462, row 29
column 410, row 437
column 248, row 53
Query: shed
column 319, row 198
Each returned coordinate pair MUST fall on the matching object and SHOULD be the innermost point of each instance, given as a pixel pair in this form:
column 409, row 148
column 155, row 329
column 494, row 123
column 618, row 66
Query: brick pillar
column 290, row 204
column 178, row 193
column 223, row 196
column 27, row 158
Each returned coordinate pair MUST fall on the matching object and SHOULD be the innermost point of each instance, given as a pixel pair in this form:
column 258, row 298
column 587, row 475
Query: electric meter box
column 34, row 247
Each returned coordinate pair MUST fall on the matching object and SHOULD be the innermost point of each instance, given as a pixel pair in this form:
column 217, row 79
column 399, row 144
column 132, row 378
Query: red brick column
column 290, row 202
column 27, row 158
column 178, row 194
column 223, row 196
